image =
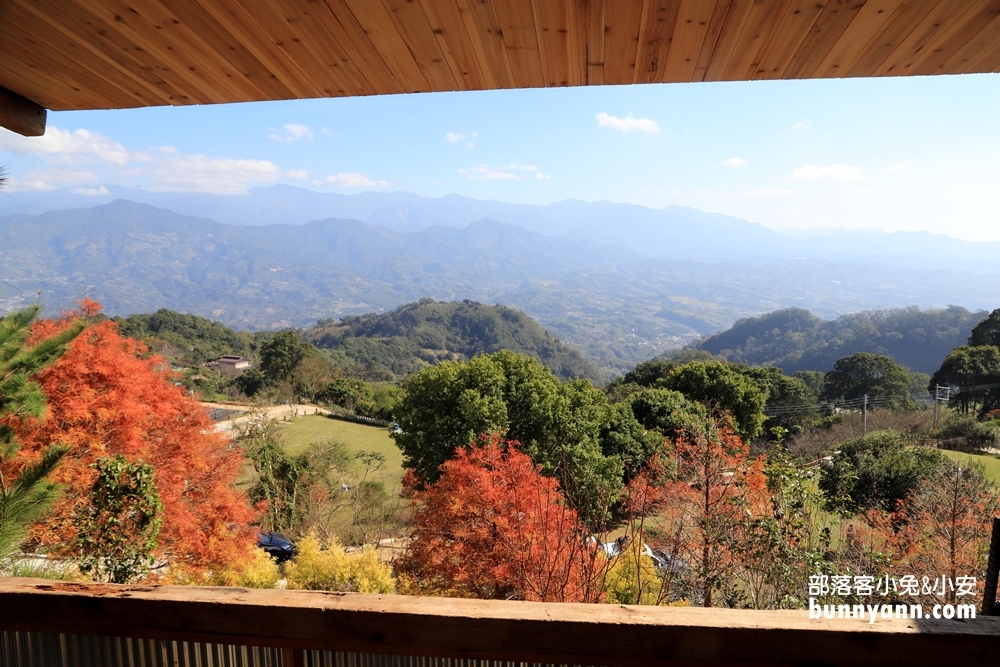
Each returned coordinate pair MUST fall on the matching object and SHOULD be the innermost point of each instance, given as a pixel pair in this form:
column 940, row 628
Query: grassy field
column 989, row 461
column 300, row 433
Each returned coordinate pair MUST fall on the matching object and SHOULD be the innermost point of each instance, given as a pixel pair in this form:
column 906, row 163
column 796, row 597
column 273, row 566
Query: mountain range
column 620, row 283
column 674, row 232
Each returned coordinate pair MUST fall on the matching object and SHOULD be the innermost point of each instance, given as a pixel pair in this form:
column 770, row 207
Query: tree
column 696, row 511
column 791, row 402
column 718, row 386
column 107, row 396
column 987, row 332
column 559, row 424
column 281, row 354
column 292, row 488
column 493, row 527
column 970, row 368
column 25, row 493
column 885, row 382
column 877, row 471
column 945, row 525
column 117, row 531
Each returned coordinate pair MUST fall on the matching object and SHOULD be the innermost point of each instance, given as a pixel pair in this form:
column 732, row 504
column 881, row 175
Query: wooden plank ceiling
column 108, row 54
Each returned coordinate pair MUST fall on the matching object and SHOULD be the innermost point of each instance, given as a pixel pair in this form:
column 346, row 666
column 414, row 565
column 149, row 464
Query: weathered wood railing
column 574, row 634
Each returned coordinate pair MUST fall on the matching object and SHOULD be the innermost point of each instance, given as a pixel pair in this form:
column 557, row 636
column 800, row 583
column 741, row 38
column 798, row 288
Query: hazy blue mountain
column 616, row 305
column 674, row 232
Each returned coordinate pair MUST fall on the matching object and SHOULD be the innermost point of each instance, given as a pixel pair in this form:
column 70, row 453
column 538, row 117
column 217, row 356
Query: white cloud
column 456, row 137
column 91, row 192
column 350, row 180
column 836, row 172
column 297, row 173
column 801, row 125
column 627, row 124
column 899, row 166
column 326, row 132
column 734, row 162
column 71, row 147
column 775, row 192
column 202, row 173
column 482, row 172
column 290, row 133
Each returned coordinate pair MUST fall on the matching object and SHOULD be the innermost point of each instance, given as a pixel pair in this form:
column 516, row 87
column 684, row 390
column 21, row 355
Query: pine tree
column 25, row 495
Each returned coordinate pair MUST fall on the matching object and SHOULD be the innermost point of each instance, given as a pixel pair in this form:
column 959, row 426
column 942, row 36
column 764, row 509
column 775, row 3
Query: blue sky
column 891, row 154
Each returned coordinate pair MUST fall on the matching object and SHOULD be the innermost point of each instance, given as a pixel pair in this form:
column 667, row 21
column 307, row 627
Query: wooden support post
column 992, row 571
column 20, row 114
column 293, row 657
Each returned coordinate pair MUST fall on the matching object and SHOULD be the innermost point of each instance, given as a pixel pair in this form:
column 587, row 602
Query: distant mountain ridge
column 616, row 306
column 794, row 339
column 675, row 232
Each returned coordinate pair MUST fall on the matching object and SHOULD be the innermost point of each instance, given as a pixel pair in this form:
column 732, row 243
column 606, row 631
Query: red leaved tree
column 717, row 490
column 106, row 396
column 943, row 528
column 494, row 527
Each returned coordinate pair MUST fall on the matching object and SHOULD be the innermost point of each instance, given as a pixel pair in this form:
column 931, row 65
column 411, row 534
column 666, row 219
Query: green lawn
column 989, row 461
column 301, row 432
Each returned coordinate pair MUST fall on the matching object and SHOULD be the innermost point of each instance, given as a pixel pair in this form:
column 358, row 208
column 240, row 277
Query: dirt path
column 279, row 412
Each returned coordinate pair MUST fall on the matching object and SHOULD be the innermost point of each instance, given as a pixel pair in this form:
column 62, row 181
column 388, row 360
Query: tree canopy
column 718, row 386
column 108, row 396
column 885, row 382
column 563, row 426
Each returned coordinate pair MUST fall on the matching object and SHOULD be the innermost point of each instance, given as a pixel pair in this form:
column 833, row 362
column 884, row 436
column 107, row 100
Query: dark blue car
column 277, row 546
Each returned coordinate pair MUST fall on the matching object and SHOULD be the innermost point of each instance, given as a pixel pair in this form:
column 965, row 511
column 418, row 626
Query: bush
column 876, row 471
column 333, row 569
column 632, row 578
column 260, row 571
column 964, row 434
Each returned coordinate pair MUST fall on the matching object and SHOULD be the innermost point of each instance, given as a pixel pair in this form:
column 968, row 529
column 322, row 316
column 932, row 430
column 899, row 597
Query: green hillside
column 396, row 343
column 185, row 340
column 795, row 340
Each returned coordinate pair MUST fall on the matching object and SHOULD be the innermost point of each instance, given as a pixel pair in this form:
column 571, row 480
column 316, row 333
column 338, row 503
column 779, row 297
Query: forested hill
column 429, row 331
column 185, row 340
column 795, row 340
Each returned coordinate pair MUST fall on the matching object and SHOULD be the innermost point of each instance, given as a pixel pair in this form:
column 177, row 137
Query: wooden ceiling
column 113, row 54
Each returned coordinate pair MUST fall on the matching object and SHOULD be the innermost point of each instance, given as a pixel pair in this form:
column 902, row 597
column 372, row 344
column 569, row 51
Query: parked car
column 277, row 546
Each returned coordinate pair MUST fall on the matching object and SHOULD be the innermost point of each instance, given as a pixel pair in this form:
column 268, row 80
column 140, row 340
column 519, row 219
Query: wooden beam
column 21, row 115
column 575, row 634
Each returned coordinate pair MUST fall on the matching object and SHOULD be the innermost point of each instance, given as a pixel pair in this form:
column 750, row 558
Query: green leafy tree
column 25, row 493
column 299, row 488
column 886, row 383
column 971, row 367
column 877, row 471
column 987, row 332
column 790, row 401
column 718, row 386
column 559, row 424
column 118, row 530
column 281, row 354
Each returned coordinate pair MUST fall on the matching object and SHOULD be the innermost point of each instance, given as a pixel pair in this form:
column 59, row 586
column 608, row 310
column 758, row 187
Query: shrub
column 963, row 433
column 876, row 471
column 260, row 571
column 333, row 569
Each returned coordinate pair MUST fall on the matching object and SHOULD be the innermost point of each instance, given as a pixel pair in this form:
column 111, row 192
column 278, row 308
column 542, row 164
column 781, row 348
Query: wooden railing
column 563, row 634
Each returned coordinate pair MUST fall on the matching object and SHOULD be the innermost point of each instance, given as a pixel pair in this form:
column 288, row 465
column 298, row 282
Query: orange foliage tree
column 944, row 527
column 107, row 396
column 494, row 527
column 709, row 516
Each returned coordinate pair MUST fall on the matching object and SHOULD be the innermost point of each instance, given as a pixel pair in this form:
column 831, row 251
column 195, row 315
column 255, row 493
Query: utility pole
column 937, row 398
column 864, row 415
